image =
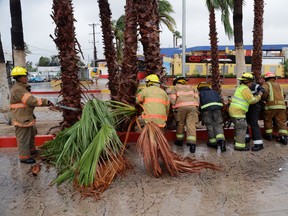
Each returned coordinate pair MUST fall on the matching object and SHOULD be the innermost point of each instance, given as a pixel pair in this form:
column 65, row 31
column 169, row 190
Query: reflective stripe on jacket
column 241, row 100
column 184, row 95
column 155, row 103
column 210, row 99
column 275, row 99
column 22, row 104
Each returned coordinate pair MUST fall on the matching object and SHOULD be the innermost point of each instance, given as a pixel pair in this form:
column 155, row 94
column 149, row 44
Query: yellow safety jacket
column 22, row 104
column 241, row 100
column 274, row 96
column 155, row 103
column 184, row 95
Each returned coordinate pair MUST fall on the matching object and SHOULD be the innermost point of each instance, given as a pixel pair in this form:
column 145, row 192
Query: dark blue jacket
column 209, row 99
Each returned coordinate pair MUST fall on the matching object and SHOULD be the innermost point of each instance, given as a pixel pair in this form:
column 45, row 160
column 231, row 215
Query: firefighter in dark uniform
column 252, row 117
column 185, row 101
column 275, row 109
column 211, row 105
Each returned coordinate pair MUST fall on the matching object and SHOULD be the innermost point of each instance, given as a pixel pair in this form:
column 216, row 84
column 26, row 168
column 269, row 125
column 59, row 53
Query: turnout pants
column 277, row 115
column 213, row 121
column 187, row 116
column 240, row 127
column 25, row 141
column 252, row 117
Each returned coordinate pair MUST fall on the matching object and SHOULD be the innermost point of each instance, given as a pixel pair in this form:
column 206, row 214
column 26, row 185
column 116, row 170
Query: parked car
column 36, row 79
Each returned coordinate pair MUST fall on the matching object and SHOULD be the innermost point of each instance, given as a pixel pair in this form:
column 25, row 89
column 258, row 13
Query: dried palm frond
column 153, row 145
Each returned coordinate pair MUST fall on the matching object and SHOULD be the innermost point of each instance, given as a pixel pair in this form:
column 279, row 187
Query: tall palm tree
column 17, row 33
column 148, row 19
column 4, row 87
column 212, row 5
column 257, row 38
column 176, row 36
column 128, row 77
column 164, row 9
column 238, row 37
column 109, row 49
column 66, row 44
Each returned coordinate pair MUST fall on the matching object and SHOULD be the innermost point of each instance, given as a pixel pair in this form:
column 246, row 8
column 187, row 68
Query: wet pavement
column 250, row 183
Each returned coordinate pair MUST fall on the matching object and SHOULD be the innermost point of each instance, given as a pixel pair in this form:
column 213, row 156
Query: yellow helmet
column 18, row 71
column 152, row 78
column 180, row 79
column 203, row 84
column 246, row 76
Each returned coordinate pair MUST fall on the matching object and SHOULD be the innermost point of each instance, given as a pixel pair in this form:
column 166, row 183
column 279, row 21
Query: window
column 199, row 68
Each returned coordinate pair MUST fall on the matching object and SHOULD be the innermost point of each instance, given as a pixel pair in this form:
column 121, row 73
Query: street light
column 183, row 36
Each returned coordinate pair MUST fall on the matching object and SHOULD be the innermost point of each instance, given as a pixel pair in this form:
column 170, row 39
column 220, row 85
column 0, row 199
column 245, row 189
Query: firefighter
column 275, row 109
column 155, row 102
column 252, row 117
column 185, row 102
column 211, row 105
column 241, row 100
column 22, row 104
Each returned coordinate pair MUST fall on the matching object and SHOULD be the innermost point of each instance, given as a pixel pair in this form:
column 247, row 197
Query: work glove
column 28, row 88
column 260, row 89
column 50, row 103
column 139, row 109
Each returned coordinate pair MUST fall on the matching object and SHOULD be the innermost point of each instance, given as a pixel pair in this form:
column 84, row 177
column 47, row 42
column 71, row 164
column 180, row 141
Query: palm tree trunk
column 4, row 87
column 17, row 33
column 128, row 83
column 66, row 43
column 109, row 48
column 148, row 18
column 214, row 51
column 257, row 38
column 238, row 37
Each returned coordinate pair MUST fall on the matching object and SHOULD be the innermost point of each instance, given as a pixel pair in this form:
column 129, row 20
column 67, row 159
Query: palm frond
column 153, row 145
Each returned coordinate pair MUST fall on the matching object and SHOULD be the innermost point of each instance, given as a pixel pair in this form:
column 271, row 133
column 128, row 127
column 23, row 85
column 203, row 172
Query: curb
column 10, row 141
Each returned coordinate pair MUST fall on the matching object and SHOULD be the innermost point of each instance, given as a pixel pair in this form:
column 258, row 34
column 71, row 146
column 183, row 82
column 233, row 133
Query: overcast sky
column 38, row 25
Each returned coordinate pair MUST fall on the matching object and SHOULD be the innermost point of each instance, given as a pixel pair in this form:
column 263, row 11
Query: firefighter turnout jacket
column 185, row 102
column 275, row 108
column 22, row 104
column 155, row 103
column 241, row 100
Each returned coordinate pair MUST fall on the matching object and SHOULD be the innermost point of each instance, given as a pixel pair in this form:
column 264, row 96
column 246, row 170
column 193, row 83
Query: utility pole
column 95, row 64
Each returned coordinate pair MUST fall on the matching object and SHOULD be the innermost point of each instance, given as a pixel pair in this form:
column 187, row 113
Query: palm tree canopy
column 224, row 6
column 165, row 9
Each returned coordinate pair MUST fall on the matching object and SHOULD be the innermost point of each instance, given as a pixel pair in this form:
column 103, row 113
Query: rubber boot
column 211, row 145
column 257, row 147
column 178, row 143
column 28, row 161
column 283, row 140
column 192, row 148
column 222, row 145
column 268, row 137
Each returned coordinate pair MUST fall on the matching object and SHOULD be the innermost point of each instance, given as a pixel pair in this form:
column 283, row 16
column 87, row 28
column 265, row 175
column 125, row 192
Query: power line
column 94, row 44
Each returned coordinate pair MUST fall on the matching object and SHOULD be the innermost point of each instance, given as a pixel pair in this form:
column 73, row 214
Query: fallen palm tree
column 91, row 155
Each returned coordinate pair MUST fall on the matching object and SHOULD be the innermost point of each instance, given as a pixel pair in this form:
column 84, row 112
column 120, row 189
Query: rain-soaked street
column 250, row 183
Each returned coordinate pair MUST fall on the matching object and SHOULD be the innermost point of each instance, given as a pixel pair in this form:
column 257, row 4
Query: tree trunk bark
column 19, row 56
column 238, row 38
column 4, row 87
column 257, row 39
